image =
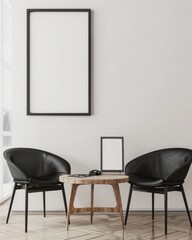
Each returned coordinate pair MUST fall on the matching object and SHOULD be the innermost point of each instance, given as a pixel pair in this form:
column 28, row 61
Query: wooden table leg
column 92, row 196
column 71, row 203
column 118, row 200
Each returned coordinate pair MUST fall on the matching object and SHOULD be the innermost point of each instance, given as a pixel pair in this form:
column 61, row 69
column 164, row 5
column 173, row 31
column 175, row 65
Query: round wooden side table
column 112, row 180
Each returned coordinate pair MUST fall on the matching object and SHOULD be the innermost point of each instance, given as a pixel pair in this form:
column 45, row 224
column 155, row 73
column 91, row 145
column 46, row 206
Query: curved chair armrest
column 68, row 168
column 62, row 166
column 56, row 163
column 179, row 174
column 133, row 166
column 16, row 172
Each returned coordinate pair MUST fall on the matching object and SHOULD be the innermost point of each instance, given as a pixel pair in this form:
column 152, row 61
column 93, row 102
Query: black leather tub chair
column 35, row 171
column 161, row 171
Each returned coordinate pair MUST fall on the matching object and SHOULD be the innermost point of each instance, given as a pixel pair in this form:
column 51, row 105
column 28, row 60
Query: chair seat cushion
column 143, row 181
column 46, row 180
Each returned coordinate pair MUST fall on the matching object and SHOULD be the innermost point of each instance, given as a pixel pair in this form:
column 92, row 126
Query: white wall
column 141, row 89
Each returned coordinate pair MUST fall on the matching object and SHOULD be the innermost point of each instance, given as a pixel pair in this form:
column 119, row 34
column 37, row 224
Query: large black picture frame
column 59, row 62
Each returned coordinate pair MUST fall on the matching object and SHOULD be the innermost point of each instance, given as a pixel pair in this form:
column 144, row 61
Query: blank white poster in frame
column 58, row 62
column 112, row 154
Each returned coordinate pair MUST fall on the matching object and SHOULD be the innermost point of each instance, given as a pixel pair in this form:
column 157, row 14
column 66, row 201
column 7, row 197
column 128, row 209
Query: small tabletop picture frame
column 112, row 154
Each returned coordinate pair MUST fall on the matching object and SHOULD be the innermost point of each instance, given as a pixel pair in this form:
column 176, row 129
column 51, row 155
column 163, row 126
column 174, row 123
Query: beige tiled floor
column 104, row 227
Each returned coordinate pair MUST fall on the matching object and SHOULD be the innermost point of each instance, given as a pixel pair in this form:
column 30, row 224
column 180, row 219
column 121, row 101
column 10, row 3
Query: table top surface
column 101, row 179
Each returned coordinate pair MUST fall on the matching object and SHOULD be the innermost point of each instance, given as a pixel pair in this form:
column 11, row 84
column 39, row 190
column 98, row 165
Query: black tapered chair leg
column 44, row 208
column 153, row 201
column 128, row 203
column 11, row 203
column 64, row 198
column 26, row 206
column 186, row 204
column 165, row 203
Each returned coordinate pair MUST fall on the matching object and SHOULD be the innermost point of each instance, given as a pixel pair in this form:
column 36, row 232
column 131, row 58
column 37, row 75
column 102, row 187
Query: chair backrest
column 34, row 163
column 169, row 164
